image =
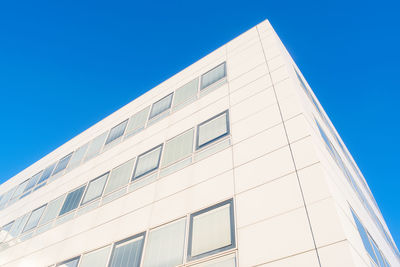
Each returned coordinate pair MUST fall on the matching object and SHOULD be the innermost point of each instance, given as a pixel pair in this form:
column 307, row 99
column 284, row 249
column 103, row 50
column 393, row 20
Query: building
column 231, row 162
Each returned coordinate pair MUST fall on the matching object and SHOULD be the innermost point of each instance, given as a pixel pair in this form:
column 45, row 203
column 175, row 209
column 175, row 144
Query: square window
column 213, row 75
column 137, row 122
column 69, row 263
column 32, row 181
column 178, row 147
column 211, row 230
column 77, row 157
column 127, row 252
column 53, row 208
column 97, row 258
column 186, row 93
column 95, row 188
column 212, row 129
column 46, row 173
column 95, row 146
column 160, row 106
column 119, row 176
column 147, row 162
column 34, row 218
column 62, row 163
column 116, row 132
column 72, row 200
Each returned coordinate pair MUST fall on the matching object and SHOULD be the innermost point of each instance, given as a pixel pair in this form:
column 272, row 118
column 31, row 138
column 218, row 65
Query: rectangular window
column 20, row 189
column 127, row 252
column 178, row 148
column 62, row 163
column 97, row 258
column 77, row 157
column 95, row 188
column 32, row 181
column 213, row 75
column 165, row 245
column 212, row 129
column 119, row 176
column 364, row 236
column 5, row 231
column 116, row 132
column 225, row 261
column 137, row 122
column 72, row 201
column 46, row 173
column 95, row 146
column 34, row 218
column 186, row 93
column 211, row 230
column 147, row 162
column 17, row 227
column 377, row 251
column 6, row 197
column 69, row 263
column 161, row 106
column 52, row 210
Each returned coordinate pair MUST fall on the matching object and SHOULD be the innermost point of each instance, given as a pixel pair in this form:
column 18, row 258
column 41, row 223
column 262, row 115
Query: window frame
column 83, row 202
column 134, row 177
column 201, row 76
column 142, row 234
column 69, row 260
column 107, row 142
column 151, row 117
column 228, row 130
column 55, row 171
column 217, row 250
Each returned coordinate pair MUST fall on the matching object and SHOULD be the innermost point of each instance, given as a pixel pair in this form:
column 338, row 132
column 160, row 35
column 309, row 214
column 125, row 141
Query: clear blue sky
column 65, row 65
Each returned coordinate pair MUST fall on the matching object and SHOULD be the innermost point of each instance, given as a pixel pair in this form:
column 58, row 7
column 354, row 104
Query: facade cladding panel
column 231, row 162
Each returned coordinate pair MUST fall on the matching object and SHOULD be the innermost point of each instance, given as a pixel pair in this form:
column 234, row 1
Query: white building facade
column 231, row 162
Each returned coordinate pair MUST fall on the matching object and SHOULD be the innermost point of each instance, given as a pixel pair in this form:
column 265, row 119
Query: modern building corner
column 230, row 162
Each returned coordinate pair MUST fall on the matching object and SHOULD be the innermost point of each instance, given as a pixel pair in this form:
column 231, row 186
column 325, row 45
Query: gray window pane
column 77, row 157
column 52, row 210
column 116, row 132
column 211, row 230
column 377, row 252
column 6, row 197
column 178, row 148
column 364, row 236
column 147, row 162
column 46, row 173
column 119, row 176
column 212, row 129
column 95, row 188
column 97, row 258
column 186, row 93
column 69, row 263
column 127, row 253
column 137, row 121
column 34, row 218
column 32, row 181
column 160, row 106
column 95, row 146
column 213, row 75
column 62, row 163
column 72, row 201
column 18, row 226
column 20, row 189
column 165, row 245
column 5, row 231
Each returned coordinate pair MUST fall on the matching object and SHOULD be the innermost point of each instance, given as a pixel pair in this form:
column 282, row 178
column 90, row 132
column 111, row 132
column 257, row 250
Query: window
column 127, row 252
column 72, row 200
column 178, row 147
column 95, row 146
column 34, row 218
column 377, row 252
column 53, row 208
column 364, row 236
column 116, row 132
column 211, row 230
column 20, row 189
column 137, row 122
column 5, row 231
column 212, row 129
column 32, row 181
column 186, row 93
column 6, row 197
column 46, row 173
column 97, row 258
column 95, row 188
column 77, row 156
column 17, row 226
column 165, row 245
column 160, row 106
column 120, row 176
column 147, row 162
column 62, row 163
column 69, row 263
column 213, row 75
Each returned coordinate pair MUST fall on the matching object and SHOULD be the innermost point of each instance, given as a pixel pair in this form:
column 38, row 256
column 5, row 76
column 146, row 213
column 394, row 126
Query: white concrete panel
column 297, row 128
column 250, row 89
column 248, row 77
column 313, row 183
column 268, row 200
column 338, row 254
column 275, row 238
column 308, row 259
column 304, row 153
